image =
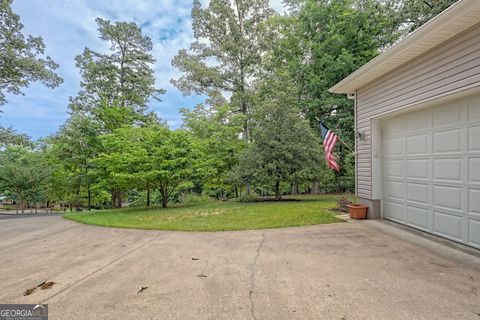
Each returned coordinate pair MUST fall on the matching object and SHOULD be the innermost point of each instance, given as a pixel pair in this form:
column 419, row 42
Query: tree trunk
column 164, row 200
column 164, row 193
column 148, row 196
column 119, row 198
column 89, row 199
column 315, row 187
column 247, row 189
column 295, row 188
column 114, row 198
column 236, row 192
column 277, row 190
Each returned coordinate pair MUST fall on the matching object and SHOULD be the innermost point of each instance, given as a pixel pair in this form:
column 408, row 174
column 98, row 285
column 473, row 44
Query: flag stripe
column 330, row 139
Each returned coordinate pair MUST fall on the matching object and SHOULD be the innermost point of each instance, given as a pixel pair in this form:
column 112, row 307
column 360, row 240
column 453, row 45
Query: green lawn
column 217, row 215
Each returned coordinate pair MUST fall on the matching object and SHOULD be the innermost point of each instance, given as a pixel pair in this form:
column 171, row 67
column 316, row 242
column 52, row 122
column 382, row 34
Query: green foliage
column 232, row 35
column 153, row 156
column 285, row 148
column 9, row 137
column 117, row 85
column 266, row 77
column 414, row 13
column 217, row 129
column 71, row 152
column 22, row 59
column 24, row 175
column 317, row 46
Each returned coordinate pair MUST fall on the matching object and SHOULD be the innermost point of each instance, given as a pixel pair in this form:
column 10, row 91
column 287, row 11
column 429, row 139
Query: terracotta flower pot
column 357, row 211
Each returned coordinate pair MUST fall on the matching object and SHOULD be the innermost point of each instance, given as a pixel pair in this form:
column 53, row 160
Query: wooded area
column 266, row 77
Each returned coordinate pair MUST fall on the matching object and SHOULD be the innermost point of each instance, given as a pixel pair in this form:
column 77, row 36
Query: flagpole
column 346, row 145
column 339, row 139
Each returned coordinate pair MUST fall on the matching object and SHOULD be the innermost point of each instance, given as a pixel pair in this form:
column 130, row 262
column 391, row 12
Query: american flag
column 329, row 141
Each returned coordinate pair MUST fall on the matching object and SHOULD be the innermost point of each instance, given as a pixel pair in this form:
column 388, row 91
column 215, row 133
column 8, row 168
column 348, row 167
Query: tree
column 72, row 150
column 117, row 86
column 10, row 137
column 23, row 175
column 22, row 59
column 152, row 156
column 230, row 42
column 285, row 148
column 218, row 128
column 414, row 13
column 321, row 43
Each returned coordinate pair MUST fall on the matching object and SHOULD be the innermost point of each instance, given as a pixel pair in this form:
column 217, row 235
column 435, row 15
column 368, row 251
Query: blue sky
column 68, row 26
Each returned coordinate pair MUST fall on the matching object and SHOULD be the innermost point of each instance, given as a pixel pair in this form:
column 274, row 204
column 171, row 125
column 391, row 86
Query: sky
column 68, row 26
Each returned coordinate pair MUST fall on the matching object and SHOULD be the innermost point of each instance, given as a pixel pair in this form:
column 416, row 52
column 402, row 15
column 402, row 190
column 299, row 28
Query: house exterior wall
column 449, row 68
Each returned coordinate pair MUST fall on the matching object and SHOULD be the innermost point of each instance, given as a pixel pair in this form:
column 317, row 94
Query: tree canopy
column 117, row 85
column 265, row 77
column 22, row 59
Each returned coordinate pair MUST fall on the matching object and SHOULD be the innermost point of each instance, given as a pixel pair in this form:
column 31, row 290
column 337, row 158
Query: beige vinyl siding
column 447, row 68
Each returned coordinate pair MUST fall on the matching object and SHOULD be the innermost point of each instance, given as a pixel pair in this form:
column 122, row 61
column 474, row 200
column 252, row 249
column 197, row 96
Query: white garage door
column 431, row 170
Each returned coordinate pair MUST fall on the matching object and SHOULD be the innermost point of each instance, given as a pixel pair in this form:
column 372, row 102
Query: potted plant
column 357, row 211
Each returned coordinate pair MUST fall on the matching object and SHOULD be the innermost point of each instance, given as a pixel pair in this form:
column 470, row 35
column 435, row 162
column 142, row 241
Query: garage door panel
column 393, row 169
column 393, row 127
column 474, row 232
column 417, row 144
column 394, row 211
column 448, row 169
column 394, row 189
column 474, row 111
column 447, row 141
column 446, row 115
column 418, row 217
column 474, row 201
column 418, row 121
column 418, row 193
column 474, row 139
column 417, row 168
column 447, row 197
column 474, row 170
column 394, row 147
column 447, row 225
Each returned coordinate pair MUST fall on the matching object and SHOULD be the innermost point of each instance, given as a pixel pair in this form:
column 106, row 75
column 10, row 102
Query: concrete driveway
column 354, row 270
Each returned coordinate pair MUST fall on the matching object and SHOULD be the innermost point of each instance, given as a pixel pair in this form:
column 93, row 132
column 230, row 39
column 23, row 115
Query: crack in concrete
column 99, row 269
column 252, row 278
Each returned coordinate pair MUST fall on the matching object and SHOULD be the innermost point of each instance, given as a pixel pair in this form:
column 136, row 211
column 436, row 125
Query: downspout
column 353, row 96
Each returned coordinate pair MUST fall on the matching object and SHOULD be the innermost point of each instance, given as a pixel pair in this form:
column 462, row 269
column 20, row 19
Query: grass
column 217, row 215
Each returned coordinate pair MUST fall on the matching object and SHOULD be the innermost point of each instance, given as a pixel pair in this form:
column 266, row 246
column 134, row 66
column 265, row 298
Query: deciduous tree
column 152, row 156
column 230, row 41
column 285, row 148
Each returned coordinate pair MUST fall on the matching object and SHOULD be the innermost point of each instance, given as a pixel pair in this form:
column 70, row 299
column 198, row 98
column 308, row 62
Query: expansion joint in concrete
column 253, row 271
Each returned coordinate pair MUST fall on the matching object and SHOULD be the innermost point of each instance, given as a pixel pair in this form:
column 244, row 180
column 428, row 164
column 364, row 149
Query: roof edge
column 441, row 21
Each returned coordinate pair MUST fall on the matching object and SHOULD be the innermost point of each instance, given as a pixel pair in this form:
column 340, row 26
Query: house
column 417, row 125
